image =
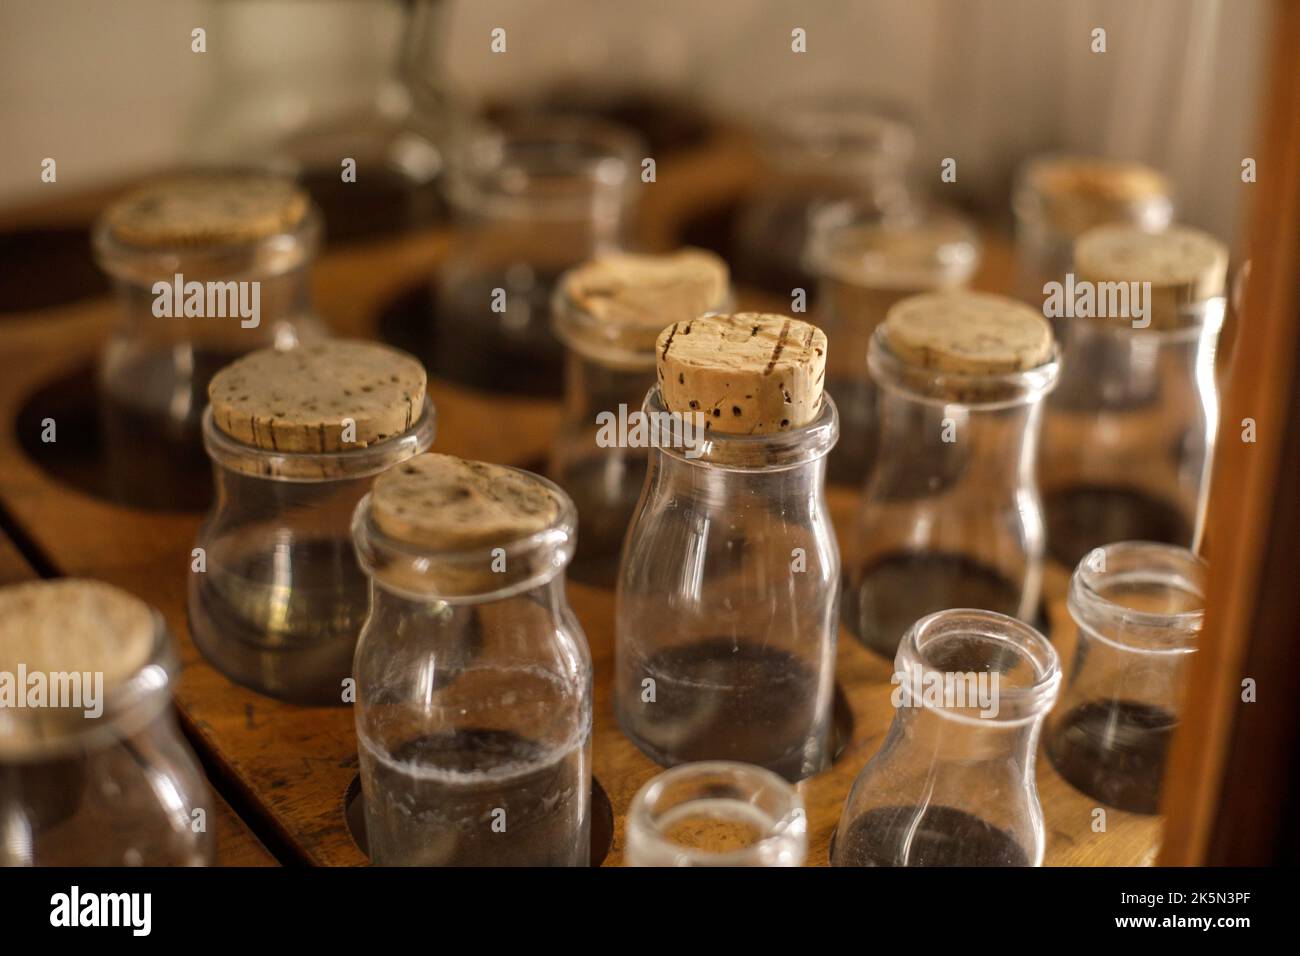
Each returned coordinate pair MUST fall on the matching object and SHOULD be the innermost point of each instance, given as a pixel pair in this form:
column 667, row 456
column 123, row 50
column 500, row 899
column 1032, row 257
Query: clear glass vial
column 951, row 515
column 817, row 150
column 532, row 197
column 716, row 813
column 117, row 787
column 1139, row 607
column 727, row 601
column 609, row 365
column 864, row 265
column 1128, row 437
column 474, row 699
column 153, row 374
column 953, row 784
column 281, row 600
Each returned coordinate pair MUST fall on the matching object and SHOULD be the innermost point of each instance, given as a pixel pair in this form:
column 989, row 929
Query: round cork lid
column 303, row 399
column 1079, row 192
column 750, row 373
column 929, row 253
column 74, row 625
column 631, row 296
column 1191, row 263
column 445, row 503
column 968, row 333
column 207, row 209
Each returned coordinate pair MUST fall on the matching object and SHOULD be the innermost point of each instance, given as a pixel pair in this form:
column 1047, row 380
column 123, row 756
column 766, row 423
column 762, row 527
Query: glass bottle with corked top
column 728, row 586
column 276, row 598
column 609, row 312
column 533, row 198
column 1139, row 607
column 208, row 267
column 1057, row 198
column 1127, row 448
column 951, row 516
column 817, row 150
column 94, row 770
column 474, row 682
column 953, row 784
column 864, row 265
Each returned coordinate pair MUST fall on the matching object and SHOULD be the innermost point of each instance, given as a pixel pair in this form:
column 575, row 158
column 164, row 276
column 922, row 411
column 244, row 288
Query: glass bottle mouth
column 977, row 666
column 353, row 463
column 810, row 134
column 125, row 708
column 936, row 387
column 719, row 794
column 560, row 167
column 686, row 439
column 1140, row 597
column 467, row 575
column 1183, row 324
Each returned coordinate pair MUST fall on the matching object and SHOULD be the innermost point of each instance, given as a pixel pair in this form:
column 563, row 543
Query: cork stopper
column 325, row 397
column 630, row 297
column 207, row 209
column 444, row 503
column 1184, row 266
column 750, row 373
column 968, row 333
column 74, row 625
column 1076, row 193
column 935, row 252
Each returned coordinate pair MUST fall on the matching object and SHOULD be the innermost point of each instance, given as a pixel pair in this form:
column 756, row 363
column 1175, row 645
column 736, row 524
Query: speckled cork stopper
column 1079, row 192
column 631, row 297
column 445, row 503
column 968, row 333
column 74, row 625
column 750, row 373
column 1184, row 266
column 299, row 400
column 207, row 209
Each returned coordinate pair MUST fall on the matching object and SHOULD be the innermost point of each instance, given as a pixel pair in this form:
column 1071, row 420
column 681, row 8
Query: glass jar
column 609, row 365
column 281, row 599
column 474, row 699
column 951, row 515
column 108, row 782
column 953, row 783
column 727, row 601
column 817, row 150
column 1057, row 198
column 1129, row 434
column 299, row 88
column 1139, row 607
column 533, row 198
column 716, row 813
column 864, row 265
column 153, row 373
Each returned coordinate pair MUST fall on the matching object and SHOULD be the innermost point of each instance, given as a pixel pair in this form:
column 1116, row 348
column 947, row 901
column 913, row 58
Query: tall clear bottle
column 474, row 684
column 951, row 515
column 953, row 783
column 727, row 593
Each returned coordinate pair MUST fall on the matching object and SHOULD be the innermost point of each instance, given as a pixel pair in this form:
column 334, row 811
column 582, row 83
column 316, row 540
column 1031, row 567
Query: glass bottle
column 281, row 599
column 113, row 784
column 153, row 373
column 1128, row 437
column 953, row 783
column 817, row 150
column 727, row 601
column 716, row 813
column 1139, row 607
column 533, row 197
column 474, row 699
column 1059, row 197
column 951, row 515
column 864, row 265
column 300, row 88
column 609, row 365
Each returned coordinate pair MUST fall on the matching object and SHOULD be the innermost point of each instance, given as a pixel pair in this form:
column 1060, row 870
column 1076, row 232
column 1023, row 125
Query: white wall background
column 110, row 87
